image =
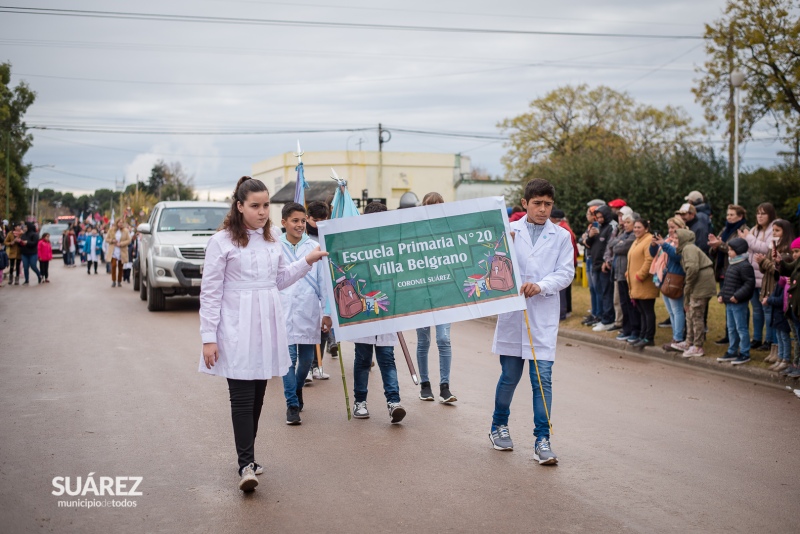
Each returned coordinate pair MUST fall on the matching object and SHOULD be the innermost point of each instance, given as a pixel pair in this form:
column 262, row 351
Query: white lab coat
column 383, row 340
column 240, row 306
column 550, row 265
column 304, row 301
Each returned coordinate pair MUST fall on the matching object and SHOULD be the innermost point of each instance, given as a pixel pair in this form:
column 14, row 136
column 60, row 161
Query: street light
column 737, row 79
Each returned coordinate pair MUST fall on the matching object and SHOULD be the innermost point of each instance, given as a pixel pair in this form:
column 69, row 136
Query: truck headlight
column 165, row 251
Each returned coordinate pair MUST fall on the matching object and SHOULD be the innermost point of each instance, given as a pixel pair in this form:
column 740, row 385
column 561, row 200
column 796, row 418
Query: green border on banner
column 415, row 267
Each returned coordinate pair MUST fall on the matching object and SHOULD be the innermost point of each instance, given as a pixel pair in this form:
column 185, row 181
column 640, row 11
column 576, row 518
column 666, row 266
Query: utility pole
column 8, row 176
column 381, row 140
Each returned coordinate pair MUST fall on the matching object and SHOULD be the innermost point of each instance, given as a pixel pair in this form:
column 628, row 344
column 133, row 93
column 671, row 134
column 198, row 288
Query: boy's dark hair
column 539, row 188
column 290, row 208
column 318, row 210
column 375, row 207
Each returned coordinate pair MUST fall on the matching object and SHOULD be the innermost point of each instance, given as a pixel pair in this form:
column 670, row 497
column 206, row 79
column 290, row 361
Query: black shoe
column 766, row 347
column 643, row 343
column 666, row 323
column 425, row 392
column 445, row 397
column 615, row 328
column 589, row 320
column 293, row 415
column 300, row 398
column 722, row 341
column 334, row 351
column 755, row 343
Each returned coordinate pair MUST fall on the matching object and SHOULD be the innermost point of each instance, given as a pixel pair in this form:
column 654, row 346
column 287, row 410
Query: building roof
column 317, row 190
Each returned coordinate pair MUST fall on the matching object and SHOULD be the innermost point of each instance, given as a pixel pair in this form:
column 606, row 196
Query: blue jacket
column 673, row 258
column 775, row 300
column 98, row 246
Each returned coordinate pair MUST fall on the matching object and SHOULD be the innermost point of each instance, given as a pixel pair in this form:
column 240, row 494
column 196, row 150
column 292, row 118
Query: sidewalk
column 706, row 363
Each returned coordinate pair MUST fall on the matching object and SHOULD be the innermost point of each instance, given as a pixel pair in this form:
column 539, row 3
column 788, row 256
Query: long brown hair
column 769, row 211
column 234, row 221
column 785, row 243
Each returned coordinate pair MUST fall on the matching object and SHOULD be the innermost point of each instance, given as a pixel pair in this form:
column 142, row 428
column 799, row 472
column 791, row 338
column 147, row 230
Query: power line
column 116, row 130
column 163, row 17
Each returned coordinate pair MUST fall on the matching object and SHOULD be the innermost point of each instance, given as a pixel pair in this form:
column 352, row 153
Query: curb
column 743, row 372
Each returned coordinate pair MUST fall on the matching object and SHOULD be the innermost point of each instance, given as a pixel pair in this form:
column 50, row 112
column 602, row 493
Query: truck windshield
column 191, row 219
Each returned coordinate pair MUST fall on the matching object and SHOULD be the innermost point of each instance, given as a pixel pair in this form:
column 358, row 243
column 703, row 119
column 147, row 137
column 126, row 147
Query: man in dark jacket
column 597, row 241
column 737, row 289
column 696, row 222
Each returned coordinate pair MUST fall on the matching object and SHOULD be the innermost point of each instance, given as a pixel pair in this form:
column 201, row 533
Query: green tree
column 572, row 119
column 16, row 141
column 761, row 38
column 158, row 177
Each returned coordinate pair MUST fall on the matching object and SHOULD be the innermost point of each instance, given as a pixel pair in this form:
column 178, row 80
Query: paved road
column 91, row 382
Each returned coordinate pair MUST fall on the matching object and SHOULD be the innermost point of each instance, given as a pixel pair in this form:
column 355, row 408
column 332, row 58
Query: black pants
column 15, row 264
column 247, row 397
column 647, row 316
column 631, row 324
column 569, row 298
column 89, row 267
column 44, row 268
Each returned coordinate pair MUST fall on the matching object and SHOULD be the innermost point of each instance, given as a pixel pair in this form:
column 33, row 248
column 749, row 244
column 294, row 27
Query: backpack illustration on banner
column 348, row 300
column 501, row 277
column 498, row 272
column 351, row 298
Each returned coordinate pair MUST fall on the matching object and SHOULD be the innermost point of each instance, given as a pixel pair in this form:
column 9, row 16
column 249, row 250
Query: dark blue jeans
column 604, row 288
column 593, row 295
column 512, row 367
column 362, row 364
column 294, row 380
column 29, row 262
column 738, row 328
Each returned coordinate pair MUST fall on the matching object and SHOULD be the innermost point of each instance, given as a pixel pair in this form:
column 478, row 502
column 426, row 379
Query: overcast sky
column 178, row 76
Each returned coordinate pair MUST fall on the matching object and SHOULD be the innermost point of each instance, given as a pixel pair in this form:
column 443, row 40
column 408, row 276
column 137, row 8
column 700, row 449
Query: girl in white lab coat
column 241, row 318
column 544, row 256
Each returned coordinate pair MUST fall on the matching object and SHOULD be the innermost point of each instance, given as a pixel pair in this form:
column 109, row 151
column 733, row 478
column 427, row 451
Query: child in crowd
column 383, row 346
column 45, row 253
column 302, row 303
column 442, row 342
column 779, row 301
column 14, row 253
column 738, row 285
column 782, row 237
column 791, row 269
column 94, row 247
column 698, row 289
column 545, row 260
column 318, row 211
column 241, row 317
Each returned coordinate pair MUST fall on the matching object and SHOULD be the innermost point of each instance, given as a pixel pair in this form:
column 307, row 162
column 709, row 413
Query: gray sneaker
column 259, row 469
column 543, row 454
column 360, row 410
column 396, row 412
column 249, row 480
column 501, row 438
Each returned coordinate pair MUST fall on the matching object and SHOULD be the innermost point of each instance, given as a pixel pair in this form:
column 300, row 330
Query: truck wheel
column 142, row 286
column 137, row 278
column 156, row 301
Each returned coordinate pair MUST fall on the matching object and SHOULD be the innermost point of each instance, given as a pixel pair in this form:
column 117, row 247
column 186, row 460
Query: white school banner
column 417, row 267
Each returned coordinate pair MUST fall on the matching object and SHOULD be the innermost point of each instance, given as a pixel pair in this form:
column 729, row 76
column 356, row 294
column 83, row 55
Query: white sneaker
column 693, row 351
column 310, row 377
column 681, row 346
column 319, row 375
column 249, row 480
column 360, row 410
column 600, row 327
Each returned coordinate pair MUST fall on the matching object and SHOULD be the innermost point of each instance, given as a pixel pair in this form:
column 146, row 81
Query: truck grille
column 193, row 253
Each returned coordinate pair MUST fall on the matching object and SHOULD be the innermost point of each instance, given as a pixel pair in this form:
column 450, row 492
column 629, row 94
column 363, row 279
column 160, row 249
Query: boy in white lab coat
column 302, row 305
column 544, row 257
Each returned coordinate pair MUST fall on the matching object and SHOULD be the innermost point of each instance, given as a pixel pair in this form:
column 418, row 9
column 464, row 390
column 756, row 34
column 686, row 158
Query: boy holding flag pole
column 544, row 257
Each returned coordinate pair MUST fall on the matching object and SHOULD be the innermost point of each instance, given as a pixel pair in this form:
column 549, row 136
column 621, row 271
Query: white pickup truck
column 172, row 249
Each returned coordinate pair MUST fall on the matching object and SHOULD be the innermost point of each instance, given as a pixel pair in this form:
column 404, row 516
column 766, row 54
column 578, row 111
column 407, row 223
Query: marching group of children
column 264, row 312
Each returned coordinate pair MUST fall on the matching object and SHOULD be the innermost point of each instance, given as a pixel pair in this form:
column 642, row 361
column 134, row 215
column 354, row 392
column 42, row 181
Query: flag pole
column 410, row 363
column 538, row 376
